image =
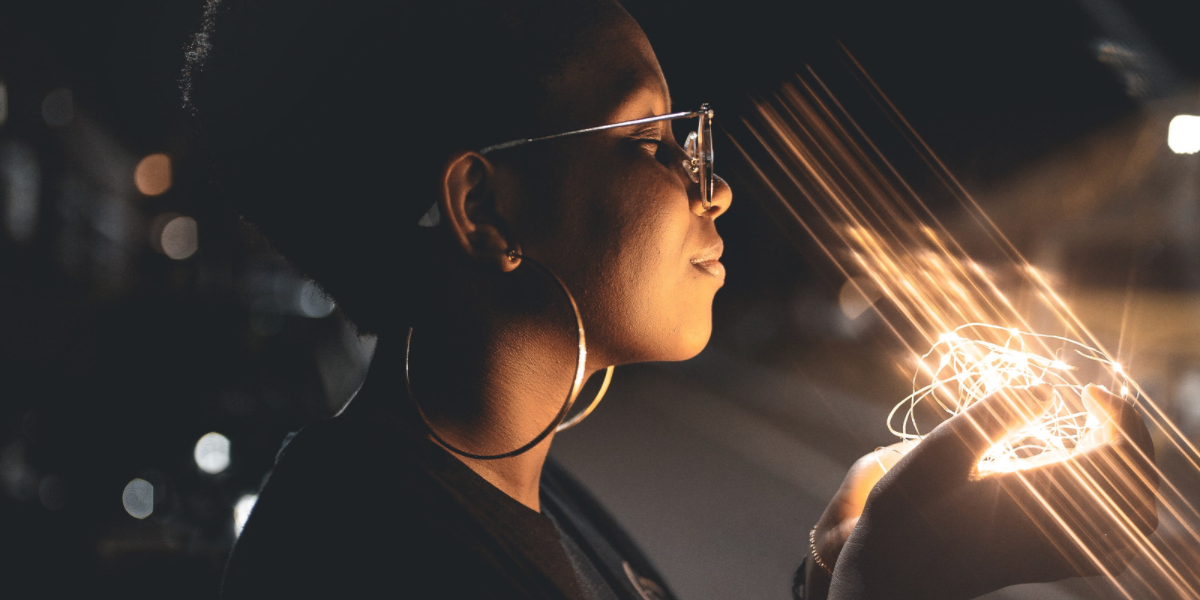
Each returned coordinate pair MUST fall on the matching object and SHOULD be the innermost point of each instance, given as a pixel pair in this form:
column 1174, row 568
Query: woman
column 372, row 147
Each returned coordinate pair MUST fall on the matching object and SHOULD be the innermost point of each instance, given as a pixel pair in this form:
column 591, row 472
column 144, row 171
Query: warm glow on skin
column 623, row 231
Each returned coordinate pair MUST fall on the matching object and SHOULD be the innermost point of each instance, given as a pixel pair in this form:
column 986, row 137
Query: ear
column 468, row 206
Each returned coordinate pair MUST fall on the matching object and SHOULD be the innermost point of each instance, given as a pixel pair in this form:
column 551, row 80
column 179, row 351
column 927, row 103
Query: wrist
column 818, row 552
column 824, row 545
column 817, row 581
column 866, row 571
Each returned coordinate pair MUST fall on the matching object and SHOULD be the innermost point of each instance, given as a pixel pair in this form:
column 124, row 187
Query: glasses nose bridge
column 681, row 160
column 694, row 157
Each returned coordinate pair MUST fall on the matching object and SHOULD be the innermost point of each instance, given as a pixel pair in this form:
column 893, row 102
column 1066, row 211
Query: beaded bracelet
column 812, row 545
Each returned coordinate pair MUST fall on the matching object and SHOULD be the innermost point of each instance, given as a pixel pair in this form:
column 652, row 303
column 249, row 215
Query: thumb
column 962, row 439
column 1118, row 418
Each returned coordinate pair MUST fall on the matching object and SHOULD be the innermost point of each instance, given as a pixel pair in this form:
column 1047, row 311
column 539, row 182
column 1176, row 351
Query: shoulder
column 356, row 507
column 345, row 508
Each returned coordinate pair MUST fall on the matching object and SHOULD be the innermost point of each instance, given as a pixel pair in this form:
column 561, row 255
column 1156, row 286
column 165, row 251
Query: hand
column 932, row 528
column 840, row 517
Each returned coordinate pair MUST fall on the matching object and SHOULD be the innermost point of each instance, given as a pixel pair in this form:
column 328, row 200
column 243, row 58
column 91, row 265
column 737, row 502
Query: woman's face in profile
column 614, row 213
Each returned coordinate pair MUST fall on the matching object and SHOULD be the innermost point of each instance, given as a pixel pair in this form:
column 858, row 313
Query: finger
column 1125, row 443
column 861, row 479
column 962, row 439
column 1118, row 419
column 886, row 457
column 1103, row 405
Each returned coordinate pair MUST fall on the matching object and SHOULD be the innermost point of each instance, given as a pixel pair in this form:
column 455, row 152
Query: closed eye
column 648, row 137
column 649, row 145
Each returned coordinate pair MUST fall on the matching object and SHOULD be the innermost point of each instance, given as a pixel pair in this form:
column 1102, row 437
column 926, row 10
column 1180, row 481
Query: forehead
column 612, row 75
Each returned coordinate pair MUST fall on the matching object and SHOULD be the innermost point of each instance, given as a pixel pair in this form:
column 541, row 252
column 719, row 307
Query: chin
column 692, row 340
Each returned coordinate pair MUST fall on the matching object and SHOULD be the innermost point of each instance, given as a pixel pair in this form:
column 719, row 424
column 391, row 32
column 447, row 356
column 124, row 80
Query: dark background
column 115, row 359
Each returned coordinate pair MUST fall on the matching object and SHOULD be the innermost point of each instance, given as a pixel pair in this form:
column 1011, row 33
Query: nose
column 722, row 198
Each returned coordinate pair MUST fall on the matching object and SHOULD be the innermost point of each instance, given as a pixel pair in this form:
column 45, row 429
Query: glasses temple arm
column 670, row 117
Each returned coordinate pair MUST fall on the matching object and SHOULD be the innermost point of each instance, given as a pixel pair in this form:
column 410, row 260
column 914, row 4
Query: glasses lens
column 705, row 154
column 698, row 146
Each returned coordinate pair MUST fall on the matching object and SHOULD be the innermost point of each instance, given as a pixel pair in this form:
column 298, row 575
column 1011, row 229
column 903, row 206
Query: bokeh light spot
column 58, row 107
column 1183, row 136
column 212, row 453
column 241, row 512
column 138, row 498
column 153, row 174
column 3, row 102
column 179, row 238
column 52, row 492
column 313, row 302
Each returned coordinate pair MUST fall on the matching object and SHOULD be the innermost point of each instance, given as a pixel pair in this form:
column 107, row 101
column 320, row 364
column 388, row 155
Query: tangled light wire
column 964, row 367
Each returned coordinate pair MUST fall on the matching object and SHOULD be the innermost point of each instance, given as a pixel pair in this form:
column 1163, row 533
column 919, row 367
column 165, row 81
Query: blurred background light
column 52, row 492
column 20, row 190
column 138, row 498
column 312, row 301
column 153, row 174
column 58, row 107
column 179, row 238
column 241, row 512
column 1183, row 136
column 212, row 453
column 3, row 102
column 857, row 295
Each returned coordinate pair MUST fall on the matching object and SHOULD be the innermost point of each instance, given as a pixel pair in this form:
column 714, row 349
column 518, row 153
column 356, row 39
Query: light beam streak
column 871, row 223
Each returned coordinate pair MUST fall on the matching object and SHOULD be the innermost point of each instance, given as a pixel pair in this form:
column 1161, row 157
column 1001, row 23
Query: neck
column 488, row 386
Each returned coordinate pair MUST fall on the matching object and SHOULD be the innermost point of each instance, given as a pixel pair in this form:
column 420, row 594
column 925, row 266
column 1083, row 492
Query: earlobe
column 468, row 207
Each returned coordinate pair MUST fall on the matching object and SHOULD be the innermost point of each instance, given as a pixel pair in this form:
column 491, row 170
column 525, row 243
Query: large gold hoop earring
column 576, row 383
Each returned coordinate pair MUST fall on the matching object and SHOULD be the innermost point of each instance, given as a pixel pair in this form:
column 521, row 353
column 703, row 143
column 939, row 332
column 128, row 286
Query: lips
column 709, row 261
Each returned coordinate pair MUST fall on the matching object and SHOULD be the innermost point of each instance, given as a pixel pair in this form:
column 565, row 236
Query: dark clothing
column 364, row 505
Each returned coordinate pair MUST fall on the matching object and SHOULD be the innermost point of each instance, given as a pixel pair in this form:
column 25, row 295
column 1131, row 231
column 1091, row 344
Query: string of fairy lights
column 964, row 368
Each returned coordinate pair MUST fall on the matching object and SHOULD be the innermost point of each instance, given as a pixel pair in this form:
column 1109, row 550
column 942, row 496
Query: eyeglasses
column 698, row 146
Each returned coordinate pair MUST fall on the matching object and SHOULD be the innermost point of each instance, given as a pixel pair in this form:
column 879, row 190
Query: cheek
column 623, row 245
column 660, row 308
